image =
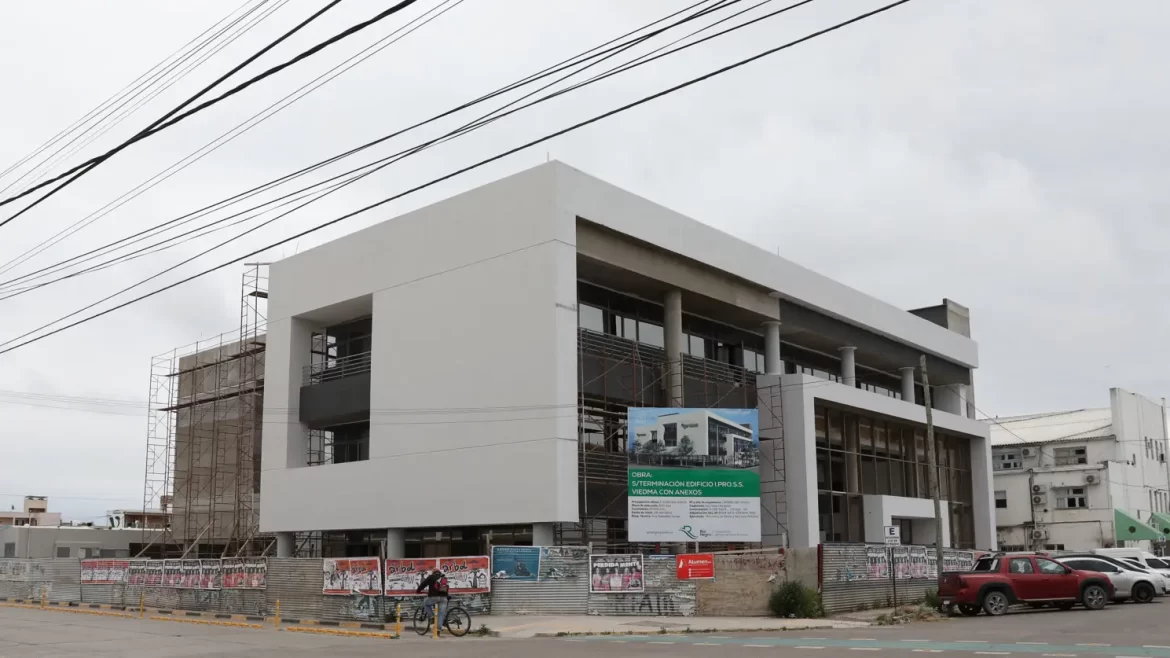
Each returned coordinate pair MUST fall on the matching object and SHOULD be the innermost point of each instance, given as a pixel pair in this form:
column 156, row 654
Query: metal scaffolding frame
column 203, row 436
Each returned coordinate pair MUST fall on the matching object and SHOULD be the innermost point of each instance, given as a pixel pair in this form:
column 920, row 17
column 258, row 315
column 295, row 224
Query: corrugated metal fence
column 57, row 580
column 665, row 595
column 856, row 576
column 563, row 588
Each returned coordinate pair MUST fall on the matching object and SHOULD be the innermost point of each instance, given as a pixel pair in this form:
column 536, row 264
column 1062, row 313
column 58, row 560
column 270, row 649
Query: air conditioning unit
column 1028, row 452
column 1039, row 533
column 1039, row 488
column 1092, row 479
column 1039, row 500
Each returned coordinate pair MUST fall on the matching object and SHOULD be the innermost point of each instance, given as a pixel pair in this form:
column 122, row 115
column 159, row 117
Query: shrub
column 793, row 599
column 932, row 600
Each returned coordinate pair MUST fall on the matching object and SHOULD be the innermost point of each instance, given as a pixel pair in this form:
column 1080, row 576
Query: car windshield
column 1158, row 564
column 987, row 564
column 1135, row 565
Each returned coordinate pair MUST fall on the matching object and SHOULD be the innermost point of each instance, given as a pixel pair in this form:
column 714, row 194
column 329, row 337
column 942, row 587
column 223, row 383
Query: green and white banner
column 694, row 475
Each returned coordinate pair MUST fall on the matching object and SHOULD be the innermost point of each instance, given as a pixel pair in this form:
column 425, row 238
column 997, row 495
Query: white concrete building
column 1076, row 480
column 423, row 373
column 33, row 512
column 64, row 541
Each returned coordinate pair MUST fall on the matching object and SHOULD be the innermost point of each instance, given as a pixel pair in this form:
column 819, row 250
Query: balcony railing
column 614, row 347
column 346, row 366
column 715, row 371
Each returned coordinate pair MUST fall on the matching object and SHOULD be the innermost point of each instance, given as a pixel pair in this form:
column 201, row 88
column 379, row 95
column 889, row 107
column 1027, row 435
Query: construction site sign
column 693, row 475
column 358, row 575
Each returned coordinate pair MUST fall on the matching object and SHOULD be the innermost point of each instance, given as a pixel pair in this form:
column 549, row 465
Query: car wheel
column 968, row 609
column 996, row 604
column 1065, row 606
column 1143, row 593
column 1094, row 597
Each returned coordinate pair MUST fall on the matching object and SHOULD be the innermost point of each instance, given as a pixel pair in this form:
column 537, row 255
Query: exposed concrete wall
column 742, row 586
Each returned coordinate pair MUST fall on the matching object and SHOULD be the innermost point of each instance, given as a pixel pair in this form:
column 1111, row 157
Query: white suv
column 1129, row 582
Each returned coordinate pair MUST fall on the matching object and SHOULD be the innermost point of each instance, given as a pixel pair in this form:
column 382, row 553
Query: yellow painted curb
column 206, row 622
column 76, row 611
column 335, row 631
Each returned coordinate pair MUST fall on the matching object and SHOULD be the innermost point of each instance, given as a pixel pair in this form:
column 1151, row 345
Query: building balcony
column 336, row 391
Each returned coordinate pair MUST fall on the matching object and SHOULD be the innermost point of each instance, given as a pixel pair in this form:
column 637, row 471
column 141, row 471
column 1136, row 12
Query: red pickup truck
column 1001, row 580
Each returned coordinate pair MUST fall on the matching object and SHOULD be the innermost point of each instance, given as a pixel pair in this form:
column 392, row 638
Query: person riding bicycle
column 437, row 594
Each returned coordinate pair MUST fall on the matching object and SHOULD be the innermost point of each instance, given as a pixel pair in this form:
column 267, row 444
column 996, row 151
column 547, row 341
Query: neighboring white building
column 422, row 375
column 36, row 542
column 1075, row 480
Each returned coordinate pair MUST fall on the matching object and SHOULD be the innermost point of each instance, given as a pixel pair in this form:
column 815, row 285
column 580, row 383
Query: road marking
column 1059, row 655
column 1089, row 644
column 708, row 644
column 927, row 650
column 760, row 646
column 720, row 637
column 817, row 638
column 660, row 642
column 914, row 640
column 1155, row 646
column 971, row 641
column 808, row 647
column 993, row 653
column 1036, row 643
column 864, row 648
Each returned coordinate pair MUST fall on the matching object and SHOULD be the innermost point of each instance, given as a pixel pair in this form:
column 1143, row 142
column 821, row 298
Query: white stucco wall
column 799, row 395
column 473, row 387
column 881, row 511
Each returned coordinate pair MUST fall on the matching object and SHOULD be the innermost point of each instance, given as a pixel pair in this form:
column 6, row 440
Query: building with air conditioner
column 1077, row 480
column 461, row 374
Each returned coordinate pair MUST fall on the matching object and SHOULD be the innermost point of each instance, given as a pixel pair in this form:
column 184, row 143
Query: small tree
column 652, row 448
column 686, row 447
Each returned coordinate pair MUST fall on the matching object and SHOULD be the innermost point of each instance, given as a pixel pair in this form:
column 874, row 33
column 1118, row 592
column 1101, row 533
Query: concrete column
column 675, row 346
column 951, row 399
column 285, row 544
column 800, row 464
column 395, row 543
column 542, row 534
column 908, row 383
column 848, row 366
column 288, row 352
column 772, row 363
column 983, row 494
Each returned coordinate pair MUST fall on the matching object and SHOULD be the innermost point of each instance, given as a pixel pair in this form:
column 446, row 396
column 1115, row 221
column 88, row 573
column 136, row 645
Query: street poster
column 521, row 563
column 357, row 575
column 233, row 573
column 467, row 575
column 255, row 573
column 104, row 572
column 210, row 574
column 616, row 574
column 189, row 574
column 695, row 567
column 693, row 475
column 172, row 573
column 136, row 573
column 404, row 576
column 155, row 573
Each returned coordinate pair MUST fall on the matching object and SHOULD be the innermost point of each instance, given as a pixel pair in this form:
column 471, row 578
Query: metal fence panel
column 665, row 595
column 856, row 576
column 563, row 588
column 296, row 583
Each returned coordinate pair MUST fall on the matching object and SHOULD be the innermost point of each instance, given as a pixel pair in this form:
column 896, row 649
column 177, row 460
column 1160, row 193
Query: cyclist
column 437, row 594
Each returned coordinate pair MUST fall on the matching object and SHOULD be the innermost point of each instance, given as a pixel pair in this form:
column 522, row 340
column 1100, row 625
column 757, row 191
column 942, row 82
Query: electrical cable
column 215, row 144
column 458, row 172
column 256, row 190
column 120, row 94
column 478, row 123
column 406, row 153
column 144, row 93
column 177, row 114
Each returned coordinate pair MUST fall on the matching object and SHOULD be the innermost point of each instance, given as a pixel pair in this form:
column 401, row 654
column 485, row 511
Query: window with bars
column 1070, row 456
column 1001, row 500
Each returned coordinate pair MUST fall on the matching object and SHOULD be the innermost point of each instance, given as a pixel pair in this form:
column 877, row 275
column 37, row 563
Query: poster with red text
column 467, row 575
column 404, row 576
column 357, row 575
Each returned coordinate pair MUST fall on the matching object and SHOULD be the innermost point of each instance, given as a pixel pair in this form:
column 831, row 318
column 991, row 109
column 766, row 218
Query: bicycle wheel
column 458, row 621
column 422, row 624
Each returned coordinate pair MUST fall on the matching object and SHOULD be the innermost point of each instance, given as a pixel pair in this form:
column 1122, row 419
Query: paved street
column 1118, row 631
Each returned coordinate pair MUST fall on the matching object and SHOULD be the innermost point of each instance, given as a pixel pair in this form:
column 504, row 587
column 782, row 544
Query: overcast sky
column 1009, row 155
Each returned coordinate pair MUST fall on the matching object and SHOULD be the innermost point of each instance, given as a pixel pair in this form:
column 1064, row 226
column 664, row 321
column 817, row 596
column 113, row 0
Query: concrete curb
column 689, row 631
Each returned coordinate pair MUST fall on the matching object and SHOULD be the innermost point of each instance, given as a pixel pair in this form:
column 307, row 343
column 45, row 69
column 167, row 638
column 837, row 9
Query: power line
column 177, row 114
column 233, row 133
column 560, row 66
column 474, row 125
column 499, row 156
column 121, row 94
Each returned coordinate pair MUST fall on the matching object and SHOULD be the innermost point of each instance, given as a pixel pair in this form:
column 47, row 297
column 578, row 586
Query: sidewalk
column 515, row 626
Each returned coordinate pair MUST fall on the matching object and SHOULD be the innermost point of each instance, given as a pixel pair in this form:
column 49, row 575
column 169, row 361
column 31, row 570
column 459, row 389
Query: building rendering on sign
column 705, row 432
column 1077, row 480
column 422, row 376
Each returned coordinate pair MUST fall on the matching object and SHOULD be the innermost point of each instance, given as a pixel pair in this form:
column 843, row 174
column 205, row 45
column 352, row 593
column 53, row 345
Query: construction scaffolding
column 204, row 437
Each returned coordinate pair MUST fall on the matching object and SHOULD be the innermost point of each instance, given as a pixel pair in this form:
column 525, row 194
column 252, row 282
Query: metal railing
column 614, row 347
column 346, row 366
column 715, row 371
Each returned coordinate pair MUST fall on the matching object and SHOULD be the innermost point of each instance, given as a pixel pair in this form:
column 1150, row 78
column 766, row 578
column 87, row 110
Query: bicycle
column 457, row 621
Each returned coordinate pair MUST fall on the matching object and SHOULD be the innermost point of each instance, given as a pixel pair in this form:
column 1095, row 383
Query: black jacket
column 431, row 584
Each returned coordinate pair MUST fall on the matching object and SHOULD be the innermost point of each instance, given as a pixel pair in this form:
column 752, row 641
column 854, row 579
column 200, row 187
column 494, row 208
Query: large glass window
column 858, row 454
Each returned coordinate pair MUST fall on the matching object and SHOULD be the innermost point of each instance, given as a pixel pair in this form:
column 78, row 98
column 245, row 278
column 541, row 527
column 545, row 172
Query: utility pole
column 932, row 472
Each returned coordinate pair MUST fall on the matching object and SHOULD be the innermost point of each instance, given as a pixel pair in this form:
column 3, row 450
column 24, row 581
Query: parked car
column 1139, row 557
column 1129, row 582
column 1001, row 580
